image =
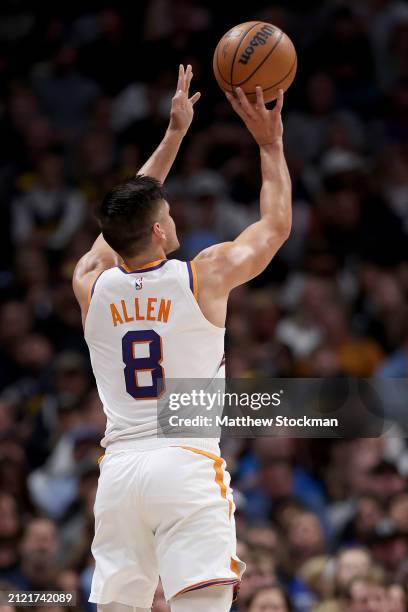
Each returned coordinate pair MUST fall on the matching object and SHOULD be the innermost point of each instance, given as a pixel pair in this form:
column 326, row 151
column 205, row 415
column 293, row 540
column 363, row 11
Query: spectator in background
column 397, row 598
column 55, row 486
column 313, row 122
column 269, row 599
column 10, row 533
column 77, row 523
column 398, row 510
column 16, row 321
column 50, row 212
column 367, row 513
column 38, row 568
column 13, row 475
column 305, row 539
column 351, row 563
column 277, row 481
column 345, row 52
column 367, row 595
column 32, row 280
column 316, row 576
column 354, row 356
column 64, row 94
column 215, row 218
column 260, row 572
column 388, row 546
column 112, row 47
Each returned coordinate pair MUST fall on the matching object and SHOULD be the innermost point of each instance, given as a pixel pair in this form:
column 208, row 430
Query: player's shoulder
column 102, row 279
column 177, row 265
column 215, row 260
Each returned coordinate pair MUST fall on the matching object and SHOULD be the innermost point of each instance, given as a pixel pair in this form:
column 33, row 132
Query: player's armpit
column 98, row 259
column 229, row 264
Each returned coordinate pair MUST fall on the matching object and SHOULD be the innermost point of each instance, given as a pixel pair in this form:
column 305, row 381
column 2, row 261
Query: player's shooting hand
column 265, row 125
column 182, row 107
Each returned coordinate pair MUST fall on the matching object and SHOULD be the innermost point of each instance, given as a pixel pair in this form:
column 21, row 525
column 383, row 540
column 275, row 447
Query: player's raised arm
column 181, row 115
column 230, row 264
column 101, row 256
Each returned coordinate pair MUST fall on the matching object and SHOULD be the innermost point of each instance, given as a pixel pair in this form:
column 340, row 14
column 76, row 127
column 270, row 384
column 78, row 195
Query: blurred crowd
column 86, row 89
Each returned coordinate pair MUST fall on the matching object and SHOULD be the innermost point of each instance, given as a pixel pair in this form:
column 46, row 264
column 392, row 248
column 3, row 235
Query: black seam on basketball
column 236, row 51
column 253, row 93
column 262, row 62
column 218, row 67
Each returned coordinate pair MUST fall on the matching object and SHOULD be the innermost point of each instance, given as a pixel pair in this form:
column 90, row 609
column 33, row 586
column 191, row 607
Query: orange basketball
column 255, row 53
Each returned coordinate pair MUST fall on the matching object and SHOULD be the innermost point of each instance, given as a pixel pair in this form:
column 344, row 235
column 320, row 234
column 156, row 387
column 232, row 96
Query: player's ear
column 158, row 231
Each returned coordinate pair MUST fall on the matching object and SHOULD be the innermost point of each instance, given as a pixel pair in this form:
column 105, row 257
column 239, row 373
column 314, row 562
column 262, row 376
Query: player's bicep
column 234, row 263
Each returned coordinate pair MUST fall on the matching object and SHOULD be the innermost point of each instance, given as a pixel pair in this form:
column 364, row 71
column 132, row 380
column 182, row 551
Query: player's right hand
column 182, row 111
column 265, row 125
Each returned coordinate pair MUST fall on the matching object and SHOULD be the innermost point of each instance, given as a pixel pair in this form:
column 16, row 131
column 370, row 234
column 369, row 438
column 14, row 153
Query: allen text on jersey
column 140, row 309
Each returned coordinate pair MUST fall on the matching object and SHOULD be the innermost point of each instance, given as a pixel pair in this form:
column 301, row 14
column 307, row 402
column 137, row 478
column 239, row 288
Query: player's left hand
column 182, row 107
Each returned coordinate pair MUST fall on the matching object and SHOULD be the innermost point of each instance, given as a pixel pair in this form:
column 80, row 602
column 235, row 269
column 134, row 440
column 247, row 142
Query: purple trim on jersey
column 213, row 583
column 95, row 281
column 143, row 270
column 190, row 276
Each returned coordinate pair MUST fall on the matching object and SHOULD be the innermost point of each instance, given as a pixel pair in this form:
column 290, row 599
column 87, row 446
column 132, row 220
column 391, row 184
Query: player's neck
column 141, row 260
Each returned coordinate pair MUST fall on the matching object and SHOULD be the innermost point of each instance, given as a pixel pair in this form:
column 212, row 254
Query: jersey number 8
column 134, row 365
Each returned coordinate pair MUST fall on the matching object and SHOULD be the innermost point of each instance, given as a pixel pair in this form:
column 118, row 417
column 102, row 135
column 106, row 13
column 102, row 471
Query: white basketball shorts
column 166, row 512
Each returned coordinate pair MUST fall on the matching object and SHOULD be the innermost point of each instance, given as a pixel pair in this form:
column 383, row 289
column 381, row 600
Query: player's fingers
column 233, row 101
column 189, row 76
column 260, row 102
column 236, row 105
column 180, row 82
column 195, row 98
column 178, row 97
column 279, row 101
column 244, row 102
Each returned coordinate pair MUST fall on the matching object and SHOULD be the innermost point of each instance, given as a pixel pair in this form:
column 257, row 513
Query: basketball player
column 164, row 506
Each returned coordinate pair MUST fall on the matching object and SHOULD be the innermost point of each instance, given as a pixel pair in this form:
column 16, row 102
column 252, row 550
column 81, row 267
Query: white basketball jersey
column 143, row 327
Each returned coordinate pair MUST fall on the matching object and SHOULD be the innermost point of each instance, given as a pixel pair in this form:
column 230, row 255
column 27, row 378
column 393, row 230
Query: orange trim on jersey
column 151, row 264
column 195, row 279
column 219, row 479
column 219, row 472
column 234, row 567
column 207, row 583
column 148, row 265
column 100, row 459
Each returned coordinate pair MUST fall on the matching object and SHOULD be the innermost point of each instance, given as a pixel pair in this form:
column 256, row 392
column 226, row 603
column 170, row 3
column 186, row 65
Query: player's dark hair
column 127, row 213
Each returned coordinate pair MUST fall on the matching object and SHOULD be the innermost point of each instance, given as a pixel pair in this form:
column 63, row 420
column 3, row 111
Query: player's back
column 143, row 327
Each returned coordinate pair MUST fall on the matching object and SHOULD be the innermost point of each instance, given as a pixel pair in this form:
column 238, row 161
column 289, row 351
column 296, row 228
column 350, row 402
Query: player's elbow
column 279, row 217
column 285, row 229
column 281, row 227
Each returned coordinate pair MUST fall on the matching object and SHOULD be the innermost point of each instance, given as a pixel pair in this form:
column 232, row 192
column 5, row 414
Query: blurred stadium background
column 85, row 96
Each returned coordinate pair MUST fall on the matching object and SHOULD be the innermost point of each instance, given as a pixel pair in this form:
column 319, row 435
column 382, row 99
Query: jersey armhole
column 92, row 284
column 189, row 285
column 192, row 275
